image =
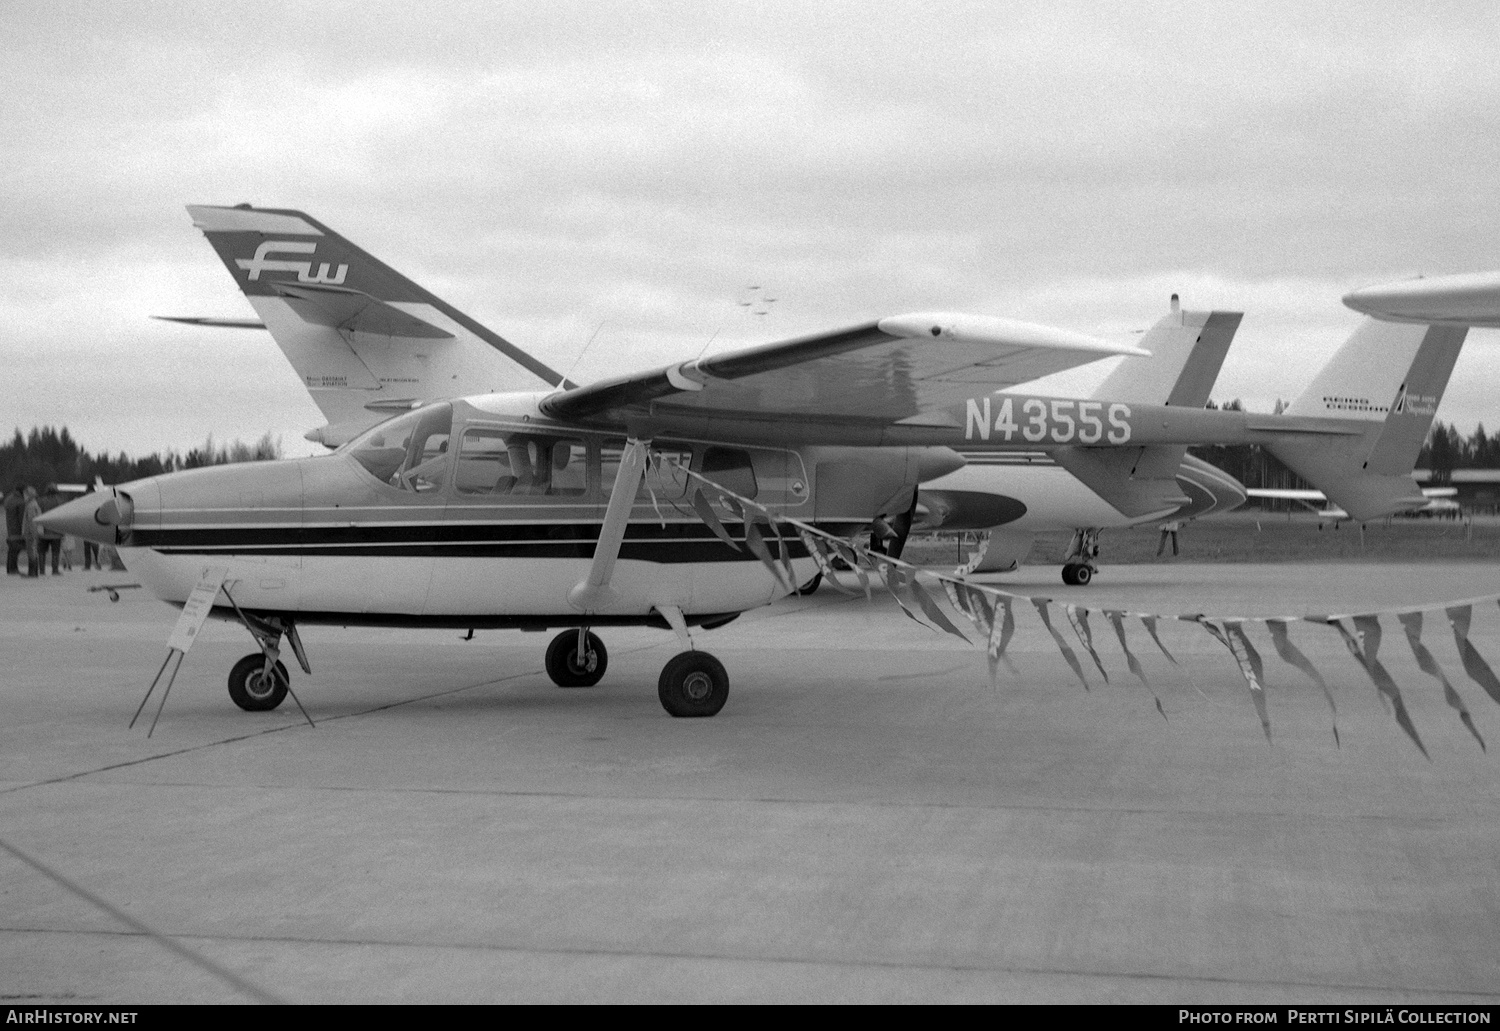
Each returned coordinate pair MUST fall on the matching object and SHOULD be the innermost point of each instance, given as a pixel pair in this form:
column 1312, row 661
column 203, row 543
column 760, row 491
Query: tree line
column 48, row 455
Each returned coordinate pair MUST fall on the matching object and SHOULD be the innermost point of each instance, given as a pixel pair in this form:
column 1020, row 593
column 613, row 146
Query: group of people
column 23, row 507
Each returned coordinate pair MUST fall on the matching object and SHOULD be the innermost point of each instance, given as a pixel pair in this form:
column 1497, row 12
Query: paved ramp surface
column 867, row 820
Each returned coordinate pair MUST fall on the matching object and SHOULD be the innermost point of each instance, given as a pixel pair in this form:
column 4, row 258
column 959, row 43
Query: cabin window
column 664, row 478
column 496, row 461
column 409, row 451
column 731, row 469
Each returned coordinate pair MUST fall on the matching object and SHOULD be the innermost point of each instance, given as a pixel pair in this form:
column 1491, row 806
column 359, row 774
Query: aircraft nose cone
column 94, row 517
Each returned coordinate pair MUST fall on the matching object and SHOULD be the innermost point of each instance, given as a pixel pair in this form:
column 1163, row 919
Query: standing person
column 15, row 540
column 90, row 549
column 50, row 540
column 29, row 531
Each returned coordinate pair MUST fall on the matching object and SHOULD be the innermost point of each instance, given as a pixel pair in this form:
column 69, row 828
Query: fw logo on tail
column 260, row 263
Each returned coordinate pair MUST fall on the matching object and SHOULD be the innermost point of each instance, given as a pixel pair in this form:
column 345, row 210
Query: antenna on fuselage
column 562, row 383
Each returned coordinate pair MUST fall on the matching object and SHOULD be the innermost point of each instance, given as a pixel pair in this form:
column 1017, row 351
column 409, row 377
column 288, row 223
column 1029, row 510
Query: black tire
column 248, row 685
column 562, row 660
column 1082, row 574
column 693, row 684
column 811, row 587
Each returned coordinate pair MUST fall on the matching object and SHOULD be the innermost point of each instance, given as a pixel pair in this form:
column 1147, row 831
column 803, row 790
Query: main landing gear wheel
column 1077, row 574
column 693, row 684
column 563, row 665
column 250, row 687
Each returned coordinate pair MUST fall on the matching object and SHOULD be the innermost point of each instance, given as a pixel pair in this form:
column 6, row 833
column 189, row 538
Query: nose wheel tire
column 563, row 665
column 1077, row 574
column 252, row 689
column 693, row 684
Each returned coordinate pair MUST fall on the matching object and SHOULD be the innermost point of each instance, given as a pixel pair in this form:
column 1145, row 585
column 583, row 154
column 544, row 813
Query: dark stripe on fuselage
column 670, row 544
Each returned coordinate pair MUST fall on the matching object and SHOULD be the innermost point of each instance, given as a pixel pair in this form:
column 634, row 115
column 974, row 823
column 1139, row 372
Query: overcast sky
column 556, row 169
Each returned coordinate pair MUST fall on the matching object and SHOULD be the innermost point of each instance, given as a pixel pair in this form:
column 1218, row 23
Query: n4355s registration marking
column 1055, row 420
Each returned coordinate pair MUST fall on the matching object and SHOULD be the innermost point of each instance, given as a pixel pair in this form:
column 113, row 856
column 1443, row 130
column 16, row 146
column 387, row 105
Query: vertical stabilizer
column 1187, row 350
column 1391, row 377
column 365, row 340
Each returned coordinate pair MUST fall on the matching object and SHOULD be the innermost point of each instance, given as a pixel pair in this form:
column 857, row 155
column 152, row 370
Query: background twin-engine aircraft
column 534, row 505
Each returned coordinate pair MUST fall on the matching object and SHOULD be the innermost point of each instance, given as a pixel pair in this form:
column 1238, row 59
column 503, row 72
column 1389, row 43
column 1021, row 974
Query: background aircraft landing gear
column 693, row 684
column 1081, row 560
column 567, row 668
column 252, row 689
column 1076, row 574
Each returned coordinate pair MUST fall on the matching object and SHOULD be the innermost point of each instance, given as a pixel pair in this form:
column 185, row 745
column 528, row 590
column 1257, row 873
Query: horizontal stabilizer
column 209, row 320
column 339, row 307
column 1121, row 477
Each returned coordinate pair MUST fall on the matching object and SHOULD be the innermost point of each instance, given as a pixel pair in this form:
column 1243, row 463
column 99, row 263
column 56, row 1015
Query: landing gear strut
column 576, row 658
column 258, row 682
column 1081, row 561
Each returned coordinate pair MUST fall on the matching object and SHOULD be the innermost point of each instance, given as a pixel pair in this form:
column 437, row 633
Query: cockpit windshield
column 409, row 451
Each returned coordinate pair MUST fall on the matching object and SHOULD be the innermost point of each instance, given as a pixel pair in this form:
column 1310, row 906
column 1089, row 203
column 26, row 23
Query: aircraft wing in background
column 1437, row 499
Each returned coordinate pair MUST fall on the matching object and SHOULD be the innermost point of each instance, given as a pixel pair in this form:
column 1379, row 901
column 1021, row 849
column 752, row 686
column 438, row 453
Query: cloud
column 621, row 171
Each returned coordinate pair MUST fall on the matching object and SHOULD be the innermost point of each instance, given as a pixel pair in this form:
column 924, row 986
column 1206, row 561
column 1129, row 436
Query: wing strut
column 594, row 592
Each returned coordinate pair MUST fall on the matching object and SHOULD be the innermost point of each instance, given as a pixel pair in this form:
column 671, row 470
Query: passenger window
column 731, row 469
column 495, row 461
column 664, row 478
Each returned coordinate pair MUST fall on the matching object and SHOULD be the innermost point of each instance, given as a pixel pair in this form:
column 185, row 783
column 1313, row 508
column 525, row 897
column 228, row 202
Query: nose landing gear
column 1081, row 560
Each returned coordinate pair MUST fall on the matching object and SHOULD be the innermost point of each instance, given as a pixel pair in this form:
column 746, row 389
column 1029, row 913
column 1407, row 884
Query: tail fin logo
column 261, row 263
column 1421, row 405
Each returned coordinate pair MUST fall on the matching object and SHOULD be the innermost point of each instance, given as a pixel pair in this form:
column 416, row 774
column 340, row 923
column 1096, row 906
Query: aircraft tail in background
column 1390, row 376
column 365, row 340
column 1187, row 350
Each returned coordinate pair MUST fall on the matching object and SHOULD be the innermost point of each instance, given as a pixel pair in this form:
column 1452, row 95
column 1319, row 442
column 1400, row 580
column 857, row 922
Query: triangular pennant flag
column 784, row 551
column 1293, row 657
column 1079, row 617
column 1233, row 638
column 757, row 546
column 814, row 548
column 1149, row 622
column 1256, row 664
column 1007, row 628
column 980, row 613
column 1479, row 671
column 1411, row 622
column 851, row 558
column 1062, row 646
column 958, row 599
column 895, row 583
column 711, row 519
column 975, row 557
column 1382, row 680
column 930, row 608
column 1117, row 620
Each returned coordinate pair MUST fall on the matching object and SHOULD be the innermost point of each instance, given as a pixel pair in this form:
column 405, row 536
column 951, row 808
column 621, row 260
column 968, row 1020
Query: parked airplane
column 360, row 370
column 1012, row 496
column 570, row 508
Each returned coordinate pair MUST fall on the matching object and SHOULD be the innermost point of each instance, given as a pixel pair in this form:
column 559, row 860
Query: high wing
column 897, row 369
